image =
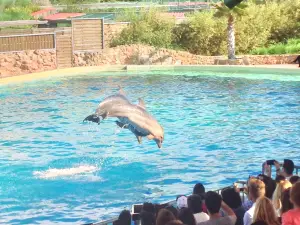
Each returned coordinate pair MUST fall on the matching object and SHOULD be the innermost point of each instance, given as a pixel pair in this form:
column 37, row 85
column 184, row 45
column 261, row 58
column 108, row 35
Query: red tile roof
column 62, row 16
column 42, row 11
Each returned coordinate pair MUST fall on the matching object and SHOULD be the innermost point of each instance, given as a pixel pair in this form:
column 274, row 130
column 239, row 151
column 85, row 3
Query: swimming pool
column 55, row 169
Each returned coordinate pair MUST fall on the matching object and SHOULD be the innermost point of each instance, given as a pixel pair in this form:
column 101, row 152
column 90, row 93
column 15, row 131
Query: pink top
column 292, row 217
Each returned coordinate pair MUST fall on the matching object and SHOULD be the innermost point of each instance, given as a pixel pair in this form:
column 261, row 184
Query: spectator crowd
column 269, row 202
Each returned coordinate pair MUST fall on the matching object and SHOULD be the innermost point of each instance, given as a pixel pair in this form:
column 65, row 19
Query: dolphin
column 130, row 116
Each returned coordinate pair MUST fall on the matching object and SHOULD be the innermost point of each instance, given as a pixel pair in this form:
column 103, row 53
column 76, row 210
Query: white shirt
column 201, row 217
column 248, row 217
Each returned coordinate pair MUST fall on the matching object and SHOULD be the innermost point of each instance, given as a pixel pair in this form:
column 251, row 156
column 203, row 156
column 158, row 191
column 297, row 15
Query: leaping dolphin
column 132, row 117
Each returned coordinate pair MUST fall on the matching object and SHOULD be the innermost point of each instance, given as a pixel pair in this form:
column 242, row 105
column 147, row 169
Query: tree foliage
column 262, row 24
column 148, row 27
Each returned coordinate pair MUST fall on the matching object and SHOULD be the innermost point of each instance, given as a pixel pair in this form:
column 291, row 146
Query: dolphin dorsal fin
column 121, row 91
column 142, row 103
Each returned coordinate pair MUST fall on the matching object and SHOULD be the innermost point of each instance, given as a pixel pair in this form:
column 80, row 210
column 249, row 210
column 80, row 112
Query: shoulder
column 247, row 218
column 229, row 220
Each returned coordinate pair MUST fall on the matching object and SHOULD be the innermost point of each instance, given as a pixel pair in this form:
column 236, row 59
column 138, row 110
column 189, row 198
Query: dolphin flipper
column 122, row 125
column 134, row 131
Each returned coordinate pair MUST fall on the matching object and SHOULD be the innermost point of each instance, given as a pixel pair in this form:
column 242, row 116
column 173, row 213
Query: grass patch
column 291, row 47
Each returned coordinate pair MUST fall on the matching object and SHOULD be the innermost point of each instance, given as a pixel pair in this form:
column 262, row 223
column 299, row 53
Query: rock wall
column 140, row 55
column 147, row 55
column 111, row 30
column 17, row 63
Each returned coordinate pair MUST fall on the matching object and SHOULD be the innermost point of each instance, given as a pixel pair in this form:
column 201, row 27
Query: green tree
column 231, row 14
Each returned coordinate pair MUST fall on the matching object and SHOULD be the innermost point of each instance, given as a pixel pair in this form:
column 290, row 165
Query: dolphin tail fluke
column 93, row 118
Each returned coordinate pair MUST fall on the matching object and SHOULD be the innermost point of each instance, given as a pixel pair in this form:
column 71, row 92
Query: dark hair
column 175, row 222
column 147, row 218
column 164, row 216
column 270, row 185
column 195, row 203
column 294, row 179
column 186, row 216
column 231, row 198
column 295, row 194
column 148, row 207
column 279, row 178
column 213, row 202
column 260, row 222
column 173, row 210
column 285, row 201
column 124, row 218
column 199, row 189
column 288, row 166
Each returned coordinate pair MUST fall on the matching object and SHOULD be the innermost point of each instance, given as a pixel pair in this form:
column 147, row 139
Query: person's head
column 256, row 189
column 186, row 216
column 285, row 201
column 164, row 216
column 124, row 218
column 199, row 189
column 279, row 178
column 295, row 195
column 147, row 218
column 173, row 210
column 181, row 201
column 270, row 185
column 231, row 198
column 213, row 202
column 175, row 222
column 280, row 188
column 148, row 207
column 294, row 179
column 264, row 211
column 288, row 167
column 195, row 203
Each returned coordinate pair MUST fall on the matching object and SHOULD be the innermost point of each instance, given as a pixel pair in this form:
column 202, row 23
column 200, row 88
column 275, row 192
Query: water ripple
column 58, row 170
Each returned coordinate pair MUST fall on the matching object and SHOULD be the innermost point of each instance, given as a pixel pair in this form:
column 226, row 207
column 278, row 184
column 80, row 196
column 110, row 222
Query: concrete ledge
column 276, row 72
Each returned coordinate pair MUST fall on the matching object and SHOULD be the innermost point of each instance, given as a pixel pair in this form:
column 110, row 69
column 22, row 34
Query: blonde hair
column 277, row 195
column 264, row 211
column 256, row 188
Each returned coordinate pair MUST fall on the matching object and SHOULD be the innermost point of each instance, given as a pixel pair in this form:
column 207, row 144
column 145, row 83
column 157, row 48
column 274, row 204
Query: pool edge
column 143, row 68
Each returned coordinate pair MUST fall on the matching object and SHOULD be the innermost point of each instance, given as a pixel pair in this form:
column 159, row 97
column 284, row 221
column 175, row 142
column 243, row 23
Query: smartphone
column 270, row 162
column 136, row 208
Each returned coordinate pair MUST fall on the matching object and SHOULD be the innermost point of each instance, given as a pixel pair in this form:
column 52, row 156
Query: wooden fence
column 84, row 35
column 87, row 34
column 27, row 42
column 7, row 32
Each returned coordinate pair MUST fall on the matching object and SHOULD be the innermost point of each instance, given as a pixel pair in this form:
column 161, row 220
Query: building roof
column 21, row 23
column 63, row 16
column 41, row 12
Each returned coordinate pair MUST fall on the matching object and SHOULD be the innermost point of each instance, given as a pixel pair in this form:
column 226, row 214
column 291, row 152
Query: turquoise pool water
column 55, row 169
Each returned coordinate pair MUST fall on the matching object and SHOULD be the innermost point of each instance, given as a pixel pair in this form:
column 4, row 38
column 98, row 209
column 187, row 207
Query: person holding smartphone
column 286, row 171
column 287, row 168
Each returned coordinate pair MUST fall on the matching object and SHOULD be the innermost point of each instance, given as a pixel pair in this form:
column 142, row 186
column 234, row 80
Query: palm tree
column 224, row 11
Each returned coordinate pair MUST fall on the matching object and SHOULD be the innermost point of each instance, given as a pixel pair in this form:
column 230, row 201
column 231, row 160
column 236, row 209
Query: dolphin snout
column 158, row 142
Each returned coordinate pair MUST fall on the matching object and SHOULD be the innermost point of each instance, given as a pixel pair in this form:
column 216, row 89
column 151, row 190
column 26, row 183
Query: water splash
column 52, row 173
